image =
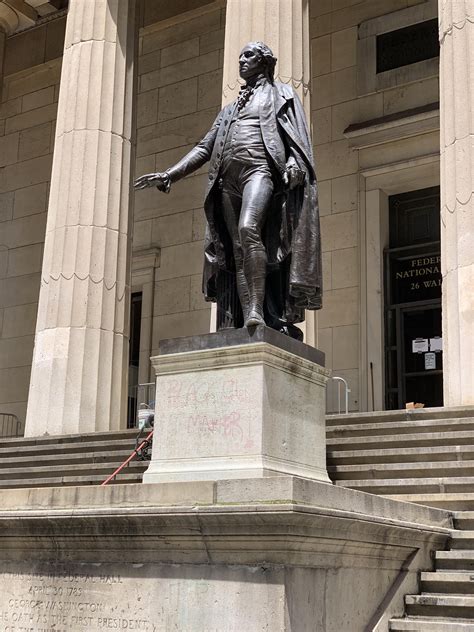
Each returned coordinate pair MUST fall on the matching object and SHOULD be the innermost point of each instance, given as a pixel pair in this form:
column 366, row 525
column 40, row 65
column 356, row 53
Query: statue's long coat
column 292, row 233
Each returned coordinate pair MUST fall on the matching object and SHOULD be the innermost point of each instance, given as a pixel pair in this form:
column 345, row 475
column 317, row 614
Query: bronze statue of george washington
column 262, row 259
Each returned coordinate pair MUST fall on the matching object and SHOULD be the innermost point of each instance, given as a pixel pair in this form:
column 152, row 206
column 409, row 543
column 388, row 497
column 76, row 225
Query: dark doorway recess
column 413, row 343
column 134, row 356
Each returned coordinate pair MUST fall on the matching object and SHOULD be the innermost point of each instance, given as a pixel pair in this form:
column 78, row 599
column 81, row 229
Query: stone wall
column 27, row 121
column 337, row 101
column 180, row 83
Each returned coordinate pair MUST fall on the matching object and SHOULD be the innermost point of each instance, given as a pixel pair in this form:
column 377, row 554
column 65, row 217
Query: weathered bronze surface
column 262, row 259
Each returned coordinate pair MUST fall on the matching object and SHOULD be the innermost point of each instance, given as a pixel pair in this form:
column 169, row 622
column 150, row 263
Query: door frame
column 376, row 184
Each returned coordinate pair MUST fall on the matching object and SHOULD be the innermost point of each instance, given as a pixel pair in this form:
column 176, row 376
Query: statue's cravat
column 244, row 96
column 247, row 91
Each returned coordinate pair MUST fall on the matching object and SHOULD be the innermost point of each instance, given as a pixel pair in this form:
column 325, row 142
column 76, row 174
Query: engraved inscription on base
column 54, row 599
column 76, row 597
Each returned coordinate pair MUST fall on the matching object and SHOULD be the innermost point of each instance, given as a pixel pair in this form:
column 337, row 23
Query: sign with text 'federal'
column 415, row 278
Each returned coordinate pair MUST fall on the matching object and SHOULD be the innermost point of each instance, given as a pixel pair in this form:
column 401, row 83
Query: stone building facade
column 153, row 80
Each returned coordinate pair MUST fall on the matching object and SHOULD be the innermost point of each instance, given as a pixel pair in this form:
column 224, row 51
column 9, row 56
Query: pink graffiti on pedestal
column 228, row 426
column 211, row 408
column 179, row 394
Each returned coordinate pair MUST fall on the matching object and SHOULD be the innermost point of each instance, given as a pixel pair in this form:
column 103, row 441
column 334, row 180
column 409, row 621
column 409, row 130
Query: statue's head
column 257, row 58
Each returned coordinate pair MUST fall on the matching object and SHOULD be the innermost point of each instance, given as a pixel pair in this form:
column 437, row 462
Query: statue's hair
column 268, row 58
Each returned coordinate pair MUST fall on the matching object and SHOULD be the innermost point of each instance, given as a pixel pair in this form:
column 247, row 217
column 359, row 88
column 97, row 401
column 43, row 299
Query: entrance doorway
column 134, row 356
column 413, row 342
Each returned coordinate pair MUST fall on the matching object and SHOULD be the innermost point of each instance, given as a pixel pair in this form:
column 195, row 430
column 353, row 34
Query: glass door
column 413, row 342
column 422, row 366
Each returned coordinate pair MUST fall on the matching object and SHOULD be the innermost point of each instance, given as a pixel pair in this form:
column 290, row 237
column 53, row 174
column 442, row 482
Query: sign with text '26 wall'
column 415, row 277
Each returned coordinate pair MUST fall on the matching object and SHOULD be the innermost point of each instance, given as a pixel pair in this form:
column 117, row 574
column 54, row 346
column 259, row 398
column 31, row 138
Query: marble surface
column 252, row 409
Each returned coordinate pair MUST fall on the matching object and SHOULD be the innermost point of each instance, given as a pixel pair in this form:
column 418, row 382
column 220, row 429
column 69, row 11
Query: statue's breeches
column 247, row 188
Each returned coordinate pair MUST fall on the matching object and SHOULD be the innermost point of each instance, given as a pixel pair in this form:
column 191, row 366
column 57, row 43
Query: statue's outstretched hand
column 159, row 180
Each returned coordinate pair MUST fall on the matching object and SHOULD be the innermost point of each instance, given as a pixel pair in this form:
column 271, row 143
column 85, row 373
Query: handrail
column 9, row 425
column 347, row 390
column 142, row 394
column 135, row 453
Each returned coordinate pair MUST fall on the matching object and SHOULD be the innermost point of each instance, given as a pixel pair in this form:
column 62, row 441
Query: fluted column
column 457, row 197
column 78, row 378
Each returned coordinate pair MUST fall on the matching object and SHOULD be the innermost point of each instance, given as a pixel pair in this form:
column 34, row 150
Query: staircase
column 446, row 602
column 424, row 456
column 54, row 461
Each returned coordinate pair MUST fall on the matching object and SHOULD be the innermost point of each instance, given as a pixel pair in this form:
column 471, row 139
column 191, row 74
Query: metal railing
column 342, row 382
column 143, row 396
column 10, row 425
column 143, row 418
column 138, row 452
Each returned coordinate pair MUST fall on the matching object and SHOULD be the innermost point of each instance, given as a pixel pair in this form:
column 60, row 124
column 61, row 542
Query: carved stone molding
column 16, row 15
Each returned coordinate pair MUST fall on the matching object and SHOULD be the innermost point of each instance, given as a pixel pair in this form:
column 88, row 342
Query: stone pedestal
column 457, row 198
column 78, row 374
column 234, row 404
column 262, row 555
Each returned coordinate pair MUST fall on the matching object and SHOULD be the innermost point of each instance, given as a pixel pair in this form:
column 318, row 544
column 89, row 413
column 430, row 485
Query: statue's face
column 250, row 62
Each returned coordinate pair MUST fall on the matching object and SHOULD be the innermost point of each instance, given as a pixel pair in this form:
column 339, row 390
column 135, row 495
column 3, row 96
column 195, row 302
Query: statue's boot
column 243, row 293
column 255, row 266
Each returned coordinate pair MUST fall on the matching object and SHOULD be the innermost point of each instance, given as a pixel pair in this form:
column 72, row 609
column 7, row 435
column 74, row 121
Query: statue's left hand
column 293, row 176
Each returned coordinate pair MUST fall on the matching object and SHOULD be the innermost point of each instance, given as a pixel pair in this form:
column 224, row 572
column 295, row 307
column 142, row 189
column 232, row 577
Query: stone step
column 94, row 437
column 452, row 502
column 60, row 471
column 403, row 486
column 111, row 457
column 400, row 415
column 402, row 441
column 421, row 624
column 462, row 539
column 401, row 470
column 122, row 478
column 70, row 448
column 402, row 427
column 464, row 520
column 455, row 560
column 394, row 455
column 447, row 582
column 53, row 461
column 431, row 604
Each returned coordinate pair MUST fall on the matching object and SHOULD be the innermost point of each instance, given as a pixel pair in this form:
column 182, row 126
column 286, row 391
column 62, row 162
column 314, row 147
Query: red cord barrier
column 127, row 461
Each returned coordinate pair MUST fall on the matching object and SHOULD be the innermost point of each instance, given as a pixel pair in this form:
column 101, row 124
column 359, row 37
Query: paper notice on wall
column 430, row 361
column 436, row 344
column 419, row 345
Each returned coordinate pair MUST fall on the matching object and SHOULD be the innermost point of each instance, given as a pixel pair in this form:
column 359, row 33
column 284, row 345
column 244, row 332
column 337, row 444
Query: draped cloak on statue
column 291, row 232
